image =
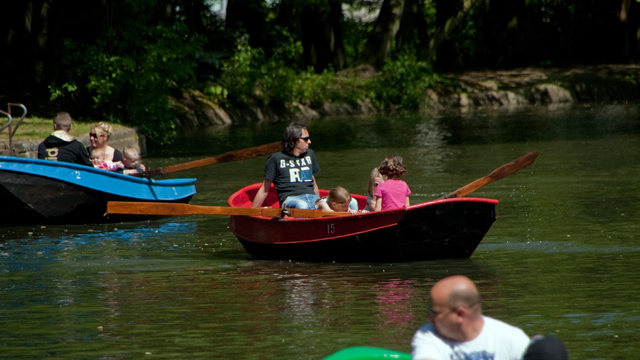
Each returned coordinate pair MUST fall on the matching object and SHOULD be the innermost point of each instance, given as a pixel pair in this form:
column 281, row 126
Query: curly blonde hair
column 104, row 126
column 392, row 167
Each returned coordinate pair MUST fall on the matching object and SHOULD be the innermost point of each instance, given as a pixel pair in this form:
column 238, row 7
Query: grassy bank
column 38, row 129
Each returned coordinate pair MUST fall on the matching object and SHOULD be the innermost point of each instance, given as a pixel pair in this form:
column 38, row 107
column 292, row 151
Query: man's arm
column 262, row 193
column 42, row 151
column 315, row 186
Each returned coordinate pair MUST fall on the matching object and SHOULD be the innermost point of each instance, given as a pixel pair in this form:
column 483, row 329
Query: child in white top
column 375, row 179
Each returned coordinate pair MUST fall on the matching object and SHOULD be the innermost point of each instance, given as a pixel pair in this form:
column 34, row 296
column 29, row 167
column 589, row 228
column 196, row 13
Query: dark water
column 562, row 258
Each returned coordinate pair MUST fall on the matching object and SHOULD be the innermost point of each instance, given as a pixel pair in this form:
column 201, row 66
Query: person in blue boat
column 458, row 330
column 292, row 172
column 61, row 146
column 99, row 151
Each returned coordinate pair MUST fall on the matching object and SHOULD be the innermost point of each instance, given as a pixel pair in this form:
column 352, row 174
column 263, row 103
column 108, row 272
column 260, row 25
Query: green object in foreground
column 367, row 353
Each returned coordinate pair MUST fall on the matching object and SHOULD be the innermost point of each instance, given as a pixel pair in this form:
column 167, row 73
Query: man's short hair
column 291, row 136
column 63, row 121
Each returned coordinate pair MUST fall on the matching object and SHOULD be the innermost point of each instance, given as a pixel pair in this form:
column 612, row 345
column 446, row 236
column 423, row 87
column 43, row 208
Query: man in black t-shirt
column 60, row 146
column 291, row 171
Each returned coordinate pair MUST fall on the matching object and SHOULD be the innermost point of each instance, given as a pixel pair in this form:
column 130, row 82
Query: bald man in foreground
column 458, row 330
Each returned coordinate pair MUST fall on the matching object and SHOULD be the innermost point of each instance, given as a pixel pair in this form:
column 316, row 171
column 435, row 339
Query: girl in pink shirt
column 393, row 193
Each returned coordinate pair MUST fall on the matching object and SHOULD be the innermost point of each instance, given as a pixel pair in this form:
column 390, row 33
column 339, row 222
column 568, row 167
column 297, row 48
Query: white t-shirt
column 496, row 341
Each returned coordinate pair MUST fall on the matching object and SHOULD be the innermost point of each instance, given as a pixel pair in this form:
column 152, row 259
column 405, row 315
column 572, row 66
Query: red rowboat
column 440, row 229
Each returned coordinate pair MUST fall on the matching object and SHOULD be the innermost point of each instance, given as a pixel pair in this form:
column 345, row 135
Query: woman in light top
column 99, row 151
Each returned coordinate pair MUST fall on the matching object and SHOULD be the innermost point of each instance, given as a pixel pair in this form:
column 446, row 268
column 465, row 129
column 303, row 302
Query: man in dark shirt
column 60, row 146
column 292, row 171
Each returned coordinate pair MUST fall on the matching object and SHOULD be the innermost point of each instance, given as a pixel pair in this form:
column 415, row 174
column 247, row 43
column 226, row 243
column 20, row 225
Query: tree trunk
column 378, row 44
column 623, row 18
column 23, row 46
column 336, row 37
column 248, row 16
column 449, row 14
column 320, row 31
column 414, row 30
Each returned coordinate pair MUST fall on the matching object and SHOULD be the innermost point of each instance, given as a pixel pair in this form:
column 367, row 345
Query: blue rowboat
column 34, row 191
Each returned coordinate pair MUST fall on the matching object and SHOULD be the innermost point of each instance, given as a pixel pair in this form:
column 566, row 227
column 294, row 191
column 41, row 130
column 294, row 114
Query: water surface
column 562, row 258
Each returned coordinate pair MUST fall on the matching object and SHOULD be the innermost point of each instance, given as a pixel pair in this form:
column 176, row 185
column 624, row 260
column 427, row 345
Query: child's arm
column 110, row 166
column 407, row 205
column 324, row 206
column 372, row 202
column 378, row 203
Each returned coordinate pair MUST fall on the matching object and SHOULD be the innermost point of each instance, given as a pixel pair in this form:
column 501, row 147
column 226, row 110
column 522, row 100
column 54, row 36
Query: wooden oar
column 230, row 156
column 497, row 174
column 173, row 209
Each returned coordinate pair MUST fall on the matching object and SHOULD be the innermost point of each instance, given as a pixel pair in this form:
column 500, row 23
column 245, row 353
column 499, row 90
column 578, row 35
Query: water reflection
column 430, row 142
column 561, row 258
column 47, row 240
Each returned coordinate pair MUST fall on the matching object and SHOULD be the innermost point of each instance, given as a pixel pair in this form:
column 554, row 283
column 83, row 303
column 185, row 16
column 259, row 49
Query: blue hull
column 36, row 191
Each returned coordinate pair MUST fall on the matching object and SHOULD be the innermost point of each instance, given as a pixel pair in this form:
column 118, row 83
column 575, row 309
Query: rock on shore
column 473, row 89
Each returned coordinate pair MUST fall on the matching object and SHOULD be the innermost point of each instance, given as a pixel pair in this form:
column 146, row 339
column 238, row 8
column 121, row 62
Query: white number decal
column 331, row 229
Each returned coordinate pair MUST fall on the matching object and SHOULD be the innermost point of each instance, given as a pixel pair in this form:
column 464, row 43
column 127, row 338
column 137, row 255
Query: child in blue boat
column 129, row 165
column 131, row 161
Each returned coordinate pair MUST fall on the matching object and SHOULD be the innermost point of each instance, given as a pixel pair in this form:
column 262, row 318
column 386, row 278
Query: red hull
column 450, row 228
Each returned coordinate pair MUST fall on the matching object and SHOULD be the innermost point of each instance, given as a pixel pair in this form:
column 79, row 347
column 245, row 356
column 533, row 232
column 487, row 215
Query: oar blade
column 174, row 209
column 497, row 174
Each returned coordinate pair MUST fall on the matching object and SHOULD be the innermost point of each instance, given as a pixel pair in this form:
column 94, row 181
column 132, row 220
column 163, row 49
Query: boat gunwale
column 103, row 173
column 363, row 214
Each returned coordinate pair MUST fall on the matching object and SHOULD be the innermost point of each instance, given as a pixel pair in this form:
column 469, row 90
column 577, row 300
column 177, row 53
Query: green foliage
column 129, row 78
column 64, row 90
column 216, row 93
column 402, row 83
column 250, row 79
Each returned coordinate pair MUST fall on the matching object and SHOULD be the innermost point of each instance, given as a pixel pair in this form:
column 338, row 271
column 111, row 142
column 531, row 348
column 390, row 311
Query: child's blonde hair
column 338, row 195
column 129, row 152
column 375, row 173
column 392, row 167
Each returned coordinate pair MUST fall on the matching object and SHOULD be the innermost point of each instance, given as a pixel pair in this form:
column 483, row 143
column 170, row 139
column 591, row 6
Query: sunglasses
column 94, row 135
column 306, row 138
